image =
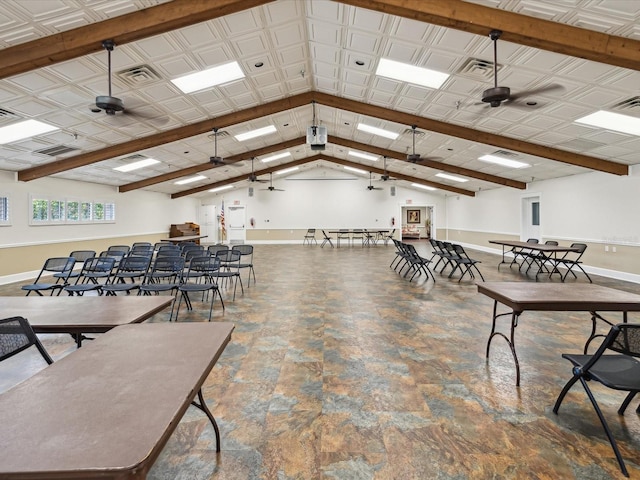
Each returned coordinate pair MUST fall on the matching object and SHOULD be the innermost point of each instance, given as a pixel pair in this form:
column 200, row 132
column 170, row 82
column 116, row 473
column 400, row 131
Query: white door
column 530, row 218
column 236, row 231
column 208, row 223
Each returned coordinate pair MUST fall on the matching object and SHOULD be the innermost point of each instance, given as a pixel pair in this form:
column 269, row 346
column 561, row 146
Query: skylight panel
column 208, row 78
column 424, row 187
column 451, row 177
column 363, row 127
column 24, row 129
column 218, row 189
column 612, row 121
column 505, row 162
column 136, row 165
column 258, row 132
column 356, row 170
column 277, row 156
column 410, row 73
column 190, row 180
column 365, row 156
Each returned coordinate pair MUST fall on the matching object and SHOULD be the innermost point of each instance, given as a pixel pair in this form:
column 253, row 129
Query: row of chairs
column 407, row 260
column 453, row 255
column 365, row 236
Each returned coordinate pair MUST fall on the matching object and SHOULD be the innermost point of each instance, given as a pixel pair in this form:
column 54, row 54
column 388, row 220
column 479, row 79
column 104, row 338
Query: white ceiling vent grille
column 505, row 154
column 629, row 104
column 478, row 68
column 139, row 76
column 55, row 151
column 7, row 116
column 134, row 158
column 221, row 134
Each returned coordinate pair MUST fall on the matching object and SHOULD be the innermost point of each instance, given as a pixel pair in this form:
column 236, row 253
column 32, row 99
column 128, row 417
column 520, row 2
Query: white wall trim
column 80, row 239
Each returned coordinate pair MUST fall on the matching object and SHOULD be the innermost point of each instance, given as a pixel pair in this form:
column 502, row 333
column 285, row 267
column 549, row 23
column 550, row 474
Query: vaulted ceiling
column 296, row 52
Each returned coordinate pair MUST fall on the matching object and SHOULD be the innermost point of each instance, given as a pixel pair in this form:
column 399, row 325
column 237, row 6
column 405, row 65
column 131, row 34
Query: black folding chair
column 310, row 237
column 63, row 266
column 327, row 239
column 571, row 260
column 619, row 370
column 17, row 335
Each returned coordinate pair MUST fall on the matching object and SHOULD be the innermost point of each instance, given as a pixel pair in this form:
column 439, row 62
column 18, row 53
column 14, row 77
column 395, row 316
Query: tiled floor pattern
column 341, row 369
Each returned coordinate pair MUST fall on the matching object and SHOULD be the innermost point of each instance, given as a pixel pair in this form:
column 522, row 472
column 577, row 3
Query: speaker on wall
column 251, row 191
column 393, row 191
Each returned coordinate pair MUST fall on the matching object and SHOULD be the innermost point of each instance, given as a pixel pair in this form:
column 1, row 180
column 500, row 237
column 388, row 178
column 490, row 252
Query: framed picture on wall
column 413, row 216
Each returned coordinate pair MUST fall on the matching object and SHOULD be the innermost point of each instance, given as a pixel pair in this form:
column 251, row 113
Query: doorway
column 236, row 231
column 530, row 218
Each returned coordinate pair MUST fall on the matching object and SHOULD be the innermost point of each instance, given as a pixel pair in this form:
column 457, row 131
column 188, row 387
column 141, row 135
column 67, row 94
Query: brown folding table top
column 82, row 314
column 106, row 410
column 578, row 297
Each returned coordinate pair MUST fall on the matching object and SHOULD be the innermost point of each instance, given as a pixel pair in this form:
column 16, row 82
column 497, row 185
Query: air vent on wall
column 55, row 151
column 138, row 76
column 629, row 104
column 477, row 68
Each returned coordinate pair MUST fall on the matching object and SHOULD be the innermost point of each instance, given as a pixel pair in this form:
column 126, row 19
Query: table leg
column 503, row 252
column 203, row 406
column 510, row 340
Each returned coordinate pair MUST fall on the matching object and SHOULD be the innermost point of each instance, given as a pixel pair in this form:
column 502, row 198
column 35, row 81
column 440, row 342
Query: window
column 55, row 211
column 73, row 211
column 86, row 211
column 4, row 211
column 535, row 213
column 39, row 210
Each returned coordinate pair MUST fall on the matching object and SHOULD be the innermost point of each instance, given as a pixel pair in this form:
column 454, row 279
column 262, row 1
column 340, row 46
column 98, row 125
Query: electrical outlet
column 613, row 249
column 606, row 248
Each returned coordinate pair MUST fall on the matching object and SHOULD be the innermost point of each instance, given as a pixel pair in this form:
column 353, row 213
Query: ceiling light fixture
column 365, row 156
column 136, row 165
column 451, row 177
column 505, row 162
column 410, row 73
column 612, row 121
column 218, row 189
column 377, row 131
column 190, row 180
column 208, row 78
column 424, row 187
column 277, row 156
column 24, row 129
column 287, row 170
column 356, row 170
column 258, row 132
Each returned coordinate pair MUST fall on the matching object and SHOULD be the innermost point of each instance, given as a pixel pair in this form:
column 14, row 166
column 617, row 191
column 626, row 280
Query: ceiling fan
column 385, row 177
column 216, row 160
column 252, row 176
column 370, row 186
column 496, row 95
column 112, row 105
column 271, row 188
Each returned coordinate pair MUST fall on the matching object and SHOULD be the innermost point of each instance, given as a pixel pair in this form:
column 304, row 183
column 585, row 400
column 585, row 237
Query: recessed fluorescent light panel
column 190, row 180
column 424, row 187
column 287, row 170
column 255, row 133
column 451, row 177
column 410, row 73
column 218, row 189
column 377, row 131
column 24, row 129
column 613, row 121
column 365, row 156
column 136, row 165
column 505, row 162
column 209, row 78
column 277, row 156
column 357, row 170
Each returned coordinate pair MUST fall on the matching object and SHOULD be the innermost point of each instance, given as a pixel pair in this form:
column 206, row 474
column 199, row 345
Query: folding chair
column 200, row 279
column 571, row 260
column 310, row 237
column 246, row 260
column 17, row 335
column 230, row 268
column 465, row 263
column 56, row 265
column 164, row 276
column 327, row 239
column 93, row 270
column 619, row 370
column 80, row 256
column 416, row 263
column 128, row 275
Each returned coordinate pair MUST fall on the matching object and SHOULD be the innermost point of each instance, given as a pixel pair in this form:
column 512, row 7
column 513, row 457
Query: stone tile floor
column 339, row 368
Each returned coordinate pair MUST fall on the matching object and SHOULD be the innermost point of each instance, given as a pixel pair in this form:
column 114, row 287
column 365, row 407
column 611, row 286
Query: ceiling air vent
column 139, row 76
column 7, row 116
column 504, row 153
column 134, row 158
column 478, row 68
column 55, row 151
column 629, row 104
column 221, row 134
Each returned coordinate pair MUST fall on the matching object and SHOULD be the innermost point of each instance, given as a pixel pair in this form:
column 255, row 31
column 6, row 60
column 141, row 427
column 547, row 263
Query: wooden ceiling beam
column 316, row 157
column 130, row 27
column 472, row 135
column 208, row 166
column 426, row 162
column 521, row 29
column 204, row 126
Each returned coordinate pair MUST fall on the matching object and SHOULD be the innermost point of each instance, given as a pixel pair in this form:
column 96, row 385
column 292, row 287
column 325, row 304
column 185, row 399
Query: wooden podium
column 189, row 229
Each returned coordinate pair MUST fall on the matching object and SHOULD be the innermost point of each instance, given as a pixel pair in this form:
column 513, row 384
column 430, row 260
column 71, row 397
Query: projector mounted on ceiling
column 316, row 135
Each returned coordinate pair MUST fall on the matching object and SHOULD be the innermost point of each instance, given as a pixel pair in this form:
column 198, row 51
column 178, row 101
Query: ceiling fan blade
column 554, row 87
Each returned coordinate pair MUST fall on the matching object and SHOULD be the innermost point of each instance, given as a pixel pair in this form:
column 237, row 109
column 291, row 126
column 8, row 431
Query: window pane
column 40, row 210
column 85, row 212
column 57, row 210
column 535, row 213
column 110, row 212
column 73, row 211
column 98, row 211
column 4, row 209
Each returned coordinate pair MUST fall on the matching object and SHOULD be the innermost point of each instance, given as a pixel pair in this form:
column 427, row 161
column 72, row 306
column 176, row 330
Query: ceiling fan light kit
column 316, row 134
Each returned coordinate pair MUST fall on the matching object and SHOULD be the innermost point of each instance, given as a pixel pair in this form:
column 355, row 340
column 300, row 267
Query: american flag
column 222, row 226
